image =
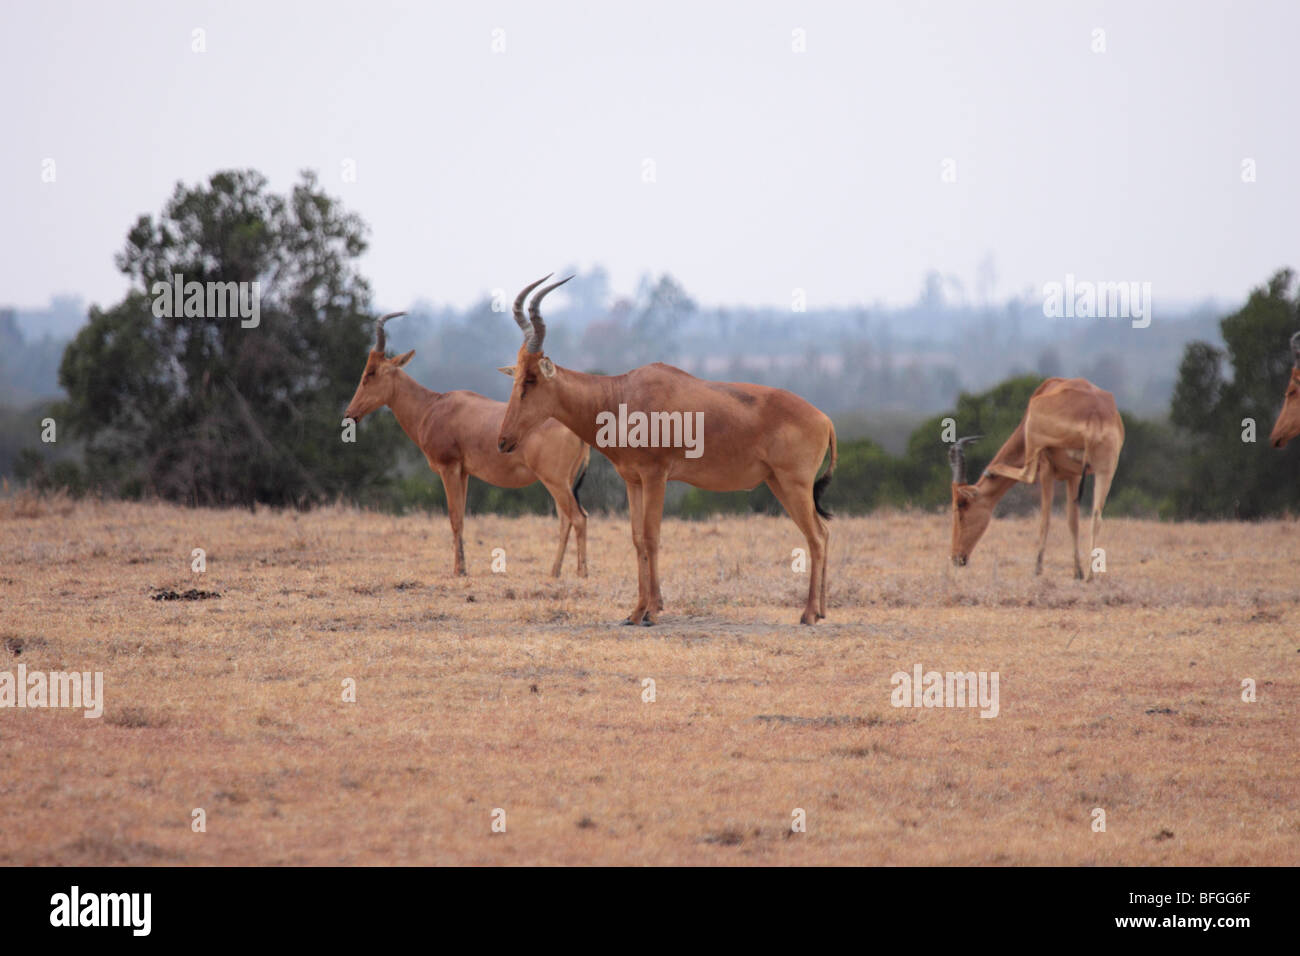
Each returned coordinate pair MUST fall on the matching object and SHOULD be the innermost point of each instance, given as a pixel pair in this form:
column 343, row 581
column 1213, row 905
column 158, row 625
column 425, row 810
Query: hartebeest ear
column 547, row 367
column 967, row 491
column 507, row 370
column 403, row 359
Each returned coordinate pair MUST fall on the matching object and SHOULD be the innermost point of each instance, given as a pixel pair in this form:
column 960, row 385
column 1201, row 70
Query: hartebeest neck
column 411, row 404
column 580, row 397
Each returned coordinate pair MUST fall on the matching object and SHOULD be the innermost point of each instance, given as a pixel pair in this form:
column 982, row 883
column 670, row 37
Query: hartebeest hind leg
column 571, row 517
column 1100, row 489
column 797, row 499
column 1047, row 483
column 455, row 484
column 1072, row 518
column 826, row 555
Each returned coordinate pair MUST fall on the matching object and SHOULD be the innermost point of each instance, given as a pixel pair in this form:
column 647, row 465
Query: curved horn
column 520, row 320
column 1295, row 348
column 539, row 327
column 957, row 458
column 381, row 342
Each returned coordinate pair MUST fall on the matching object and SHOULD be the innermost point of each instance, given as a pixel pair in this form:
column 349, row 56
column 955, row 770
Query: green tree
column 1223, row 474
column 993, row 414
column 205, row 410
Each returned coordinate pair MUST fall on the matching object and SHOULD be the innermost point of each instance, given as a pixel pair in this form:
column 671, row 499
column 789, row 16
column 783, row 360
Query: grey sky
column 775, row 170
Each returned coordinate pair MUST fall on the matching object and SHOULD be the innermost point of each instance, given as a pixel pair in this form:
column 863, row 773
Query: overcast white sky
column 775, row 169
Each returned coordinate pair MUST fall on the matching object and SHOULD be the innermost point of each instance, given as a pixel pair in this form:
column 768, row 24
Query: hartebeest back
column 1287, row 425
column 457, row 431
column 1070, row 427
column 748, row 434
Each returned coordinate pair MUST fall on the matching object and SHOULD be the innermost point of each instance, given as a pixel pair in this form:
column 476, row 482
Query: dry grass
column 518, row 692
column 26, row 503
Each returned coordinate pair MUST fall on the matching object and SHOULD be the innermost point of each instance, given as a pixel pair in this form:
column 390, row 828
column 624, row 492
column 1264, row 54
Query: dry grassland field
column 514, row 692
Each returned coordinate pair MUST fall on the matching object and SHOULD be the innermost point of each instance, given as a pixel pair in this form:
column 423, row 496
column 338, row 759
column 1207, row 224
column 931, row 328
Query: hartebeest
column 713, row 435
column 457, row 431
column 1071, row 427
column 1287, row 425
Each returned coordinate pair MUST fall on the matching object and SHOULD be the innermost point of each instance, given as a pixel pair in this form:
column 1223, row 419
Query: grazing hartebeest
column 1287, row 425
column 457, row 431
column 1070, row 427
column 743, row 434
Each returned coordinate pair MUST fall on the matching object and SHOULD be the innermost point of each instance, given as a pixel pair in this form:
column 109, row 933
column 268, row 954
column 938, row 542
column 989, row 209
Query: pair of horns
column 533, row 327
column 381, row 341
column 957, row 458
column 1295, row 348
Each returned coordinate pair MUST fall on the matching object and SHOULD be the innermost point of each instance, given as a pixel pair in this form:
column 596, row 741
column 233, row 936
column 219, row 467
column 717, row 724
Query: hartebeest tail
column 820, row 485
column 1287, row 425
column 457, row 431
column 582, row 474
column 747, row 434
column 1070, row 428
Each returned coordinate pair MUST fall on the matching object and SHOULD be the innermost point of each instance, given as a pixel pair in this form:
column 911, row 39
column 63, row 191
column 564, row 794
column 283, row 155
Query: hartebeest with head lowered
column 1071, row 427
column 457, row 431
column 747, row 434
column 1287, row 425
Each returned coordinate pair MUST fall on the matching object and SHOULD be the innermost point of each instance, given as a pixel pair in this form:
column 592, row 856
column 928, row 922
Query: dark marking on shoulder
column 739, row 394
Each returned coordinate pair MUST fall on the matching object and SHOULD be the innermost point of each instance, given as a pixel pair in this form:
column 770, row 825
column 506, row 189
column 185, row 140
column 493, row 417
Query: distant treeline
column 211, row 411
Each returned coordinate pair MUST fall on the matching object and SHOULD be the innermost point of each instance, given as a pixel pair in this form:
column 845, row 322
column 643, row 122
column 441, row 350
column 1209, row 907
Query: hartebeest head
column 971, row 511
column 1287, row 425
column 377, row 381
column 532, row 400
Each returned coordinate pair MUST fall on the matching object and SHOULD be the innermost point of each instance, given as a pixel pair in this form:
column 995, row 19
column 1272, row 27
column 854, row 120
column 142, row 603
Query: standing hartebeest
column 457, row 431
column 1287, row 425
column 713, row 435
column 1070, row 427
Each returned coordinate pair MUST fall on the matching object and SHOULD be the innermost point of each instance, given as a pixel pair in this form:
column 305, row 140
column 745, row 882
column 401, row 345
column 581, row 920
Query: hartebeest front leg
column 1047, row 483
column 455, row 484
column 1072, row 519
column 636, row 514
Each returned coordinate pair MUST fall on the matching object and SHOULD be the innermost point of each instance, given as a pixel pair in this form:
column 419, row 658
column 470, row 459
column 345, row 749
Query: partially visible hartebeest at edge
column 747, row 433
column 1071, row 427
column 457, row 431
column 1287, row 425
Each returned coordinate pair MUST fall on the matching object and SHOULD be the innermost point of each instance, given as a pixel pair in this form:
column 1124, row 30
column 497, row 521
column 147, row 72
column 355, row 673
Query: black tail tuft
column 819, row 486
column 1082, row 480
column 578, row 484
